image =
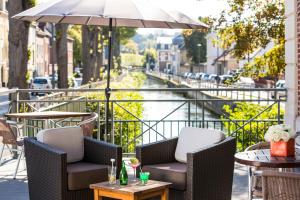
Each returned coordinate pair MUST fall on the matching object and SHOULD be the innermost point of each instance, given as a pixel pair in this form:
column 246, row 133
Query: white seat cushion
column 67, row 139
column 194, row 139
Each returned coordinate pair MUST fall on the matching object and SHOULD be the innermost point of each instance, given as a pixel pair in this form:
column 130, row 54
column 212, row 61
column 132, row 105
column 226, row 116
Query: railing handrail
column 155, row 90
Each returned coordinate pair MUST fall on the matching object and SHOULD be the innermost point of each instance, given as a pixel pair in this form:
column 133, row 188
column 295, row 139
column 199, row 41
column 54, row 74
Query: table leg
column 96, row 195
column 165, row 194
column 249, row 183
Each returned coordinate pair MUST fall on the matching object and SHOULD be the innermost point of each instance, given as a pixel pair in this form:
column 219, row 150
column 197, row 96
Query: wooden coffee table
column 133, row 191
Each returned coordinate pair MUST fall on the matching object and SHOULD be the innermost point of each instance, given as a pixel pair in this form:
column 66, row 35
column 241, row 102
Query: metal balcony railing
column 130, row 129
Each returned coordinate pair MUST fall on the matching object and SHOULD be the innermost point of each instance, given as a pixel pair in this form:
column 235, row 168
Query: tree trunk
column 90, row 42
column 116, row 50
column 62, row 55
column 99, row 57
column 18, row 46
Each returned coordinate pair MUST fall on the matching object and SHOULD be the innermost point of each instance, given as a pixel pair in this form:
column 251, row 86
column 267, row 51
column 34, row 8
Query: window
column 158, row 46
column 166, row 46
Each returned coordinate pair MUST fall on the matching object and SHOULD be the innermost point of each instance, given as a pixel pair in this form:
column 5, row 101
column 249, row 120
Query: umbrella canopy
column 129, row 13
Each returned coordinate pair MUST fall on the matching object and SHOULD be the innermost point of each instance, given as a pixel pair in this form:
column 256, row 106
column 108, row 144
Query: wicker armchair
column 88, row 124
column 208, row 173
column 47, row 168
column 280, row 185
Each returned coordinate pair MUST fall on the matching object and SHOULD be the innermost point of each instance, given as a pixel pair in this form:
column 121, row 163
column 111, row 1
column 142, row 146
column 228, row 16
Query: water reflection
column 155, row 111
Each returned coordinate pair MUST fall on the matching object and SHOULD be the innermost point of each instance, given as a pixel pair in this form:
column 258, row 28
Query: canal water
column 178, row 117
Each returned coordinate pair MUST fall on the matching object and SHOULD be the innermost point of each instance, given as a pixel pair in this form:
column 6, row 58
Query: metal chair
column 254, row 173
column 9, row 138
column 88, row 124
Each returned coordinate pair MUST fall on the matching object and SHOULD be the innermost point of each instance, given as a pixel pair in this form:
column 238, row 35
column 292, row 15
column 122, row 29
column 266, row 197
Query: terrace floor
column 17, row 189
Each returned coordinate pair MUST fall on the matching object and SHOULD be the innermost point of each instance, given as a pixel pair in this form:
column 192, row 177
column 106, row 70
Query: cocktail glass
column 134, row 166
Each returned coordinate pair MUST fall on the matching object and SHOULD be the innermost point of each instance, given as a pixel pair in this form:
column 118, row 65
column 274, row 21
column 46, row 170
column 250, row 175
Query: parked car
column 193, row 76
column 212, row 78
column 246, row 82
column 198, row 76
column 279, row 85
column 204, row 77
column 40, row 83
column 189, row 75
column 185, row 75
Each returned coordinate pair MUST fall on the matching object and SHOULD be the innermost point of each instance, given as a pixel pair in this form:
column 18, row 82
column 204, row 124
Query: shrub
column 254, row 131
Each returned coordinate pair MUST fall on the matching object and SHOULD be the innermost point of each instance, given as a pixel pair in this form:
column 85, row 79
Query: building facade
column 3, row 43
column 292, row 56
column 219, row 61
column 168, row 55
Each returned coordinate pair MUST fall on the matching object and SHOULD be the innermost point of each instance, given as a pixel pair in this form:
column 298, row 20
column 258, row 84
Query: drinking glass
column 134, row 166
column 144, row 176
column 112, row 176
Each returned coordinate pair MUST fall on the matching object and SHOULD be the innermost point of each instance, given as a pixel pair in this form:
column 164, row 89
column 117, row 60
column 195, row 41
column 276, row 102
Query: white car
column 40, row 83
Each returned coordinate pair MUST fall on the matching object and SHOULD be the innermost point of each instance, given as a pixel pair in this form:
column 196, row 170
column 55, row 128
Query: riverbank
column 214, row 106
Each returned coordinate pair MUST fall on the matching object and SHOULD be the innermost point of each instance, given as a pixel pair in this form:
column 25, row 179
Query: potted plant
column 281, row 139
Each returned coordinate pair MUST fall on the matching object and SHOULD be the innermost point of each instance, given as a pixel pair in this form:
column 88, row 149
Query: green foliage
column 75, row 33
column 131, row 47
column 272, row 64
column 250, row 25
column 128, row 129
column 131, row 60
column 196, row 42
column 254, row 131
column 30, row 3
column 150, row 56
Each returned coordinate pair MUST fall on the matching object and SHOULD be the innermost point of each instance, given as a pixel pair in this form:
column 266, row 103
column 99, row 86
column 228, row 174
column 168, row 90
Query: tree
column 62, row 54
column 250, row 25
column 90, row 47
column 75, row 33
column 121, row 36
column 18, row 45
column 131, row 47
column 195, row 44
column 150, row 56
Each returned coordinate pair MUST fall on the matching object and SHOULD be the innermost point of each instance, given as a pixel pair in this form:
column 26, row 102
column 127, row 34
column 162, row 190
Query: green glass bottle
column 123, row 175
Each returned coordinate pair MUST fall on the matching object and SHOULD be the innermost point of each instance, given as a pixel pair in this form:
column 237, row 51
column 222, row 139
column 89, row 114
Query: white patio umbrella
column 127, row 13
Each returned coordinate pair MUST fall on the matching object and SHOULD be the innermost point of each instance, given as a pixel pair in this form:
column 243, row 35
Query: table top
column 132, row 187
column 47, row 115
column 262, row 158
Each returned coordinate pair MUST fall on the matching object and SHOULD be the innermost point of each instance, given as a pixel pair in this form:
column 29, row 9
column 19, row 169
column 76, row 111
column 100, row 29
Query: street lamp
column 199, row 45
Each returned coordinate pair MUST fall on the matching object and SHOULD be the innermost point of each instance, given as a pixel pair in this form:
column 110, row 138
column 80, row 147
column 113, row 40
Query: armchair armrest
column 156, row 153
column 99, row 152
column 210, row 171
column 46, row 170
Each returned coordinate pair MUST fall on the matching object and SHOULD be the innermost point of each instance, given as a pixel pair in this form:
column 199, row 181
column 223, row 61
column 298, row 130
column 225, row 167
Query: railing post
column 99, row 125
column 112, row 135
column 189, row 113
column 203, row 115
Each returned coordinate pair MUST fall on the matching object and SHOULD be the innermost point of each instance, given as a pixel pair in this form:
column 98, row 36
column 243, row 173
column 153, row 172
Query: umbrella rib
column 38, row 19
column 61, row 19
column 88, row 20
column 143, row 22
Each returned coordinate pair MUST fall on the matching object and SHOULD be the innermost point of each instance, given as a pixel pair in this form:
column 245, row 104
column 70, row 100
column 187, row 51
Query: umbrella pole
column 108, row 90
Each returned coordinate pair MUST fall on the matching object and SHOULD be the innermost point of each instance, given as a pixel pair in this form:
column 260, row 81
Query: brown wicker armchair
column 208, row 173
column 49, row 174
column 280, row 185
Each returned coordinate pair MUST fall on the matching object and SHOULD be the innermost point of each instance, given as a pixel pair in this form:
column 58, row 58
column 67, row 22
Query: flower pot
column 283, row 149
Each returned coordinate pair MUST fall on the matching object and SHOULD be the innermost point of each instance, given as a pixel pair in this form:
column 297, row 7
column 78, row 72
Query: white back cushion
column 194, row 139
column 67, row 139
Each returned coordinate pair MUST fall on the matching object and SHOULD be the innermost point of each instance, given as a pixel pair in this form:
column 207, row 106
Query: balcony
column 144, row 116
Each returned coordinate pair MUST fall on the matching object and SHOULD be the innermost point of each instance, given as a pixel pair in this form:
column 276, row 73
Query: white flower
column 277, row 133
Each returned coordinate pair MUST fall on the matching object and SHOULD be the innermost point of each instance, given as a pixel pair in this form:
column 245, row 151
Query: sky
column 192, row 8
